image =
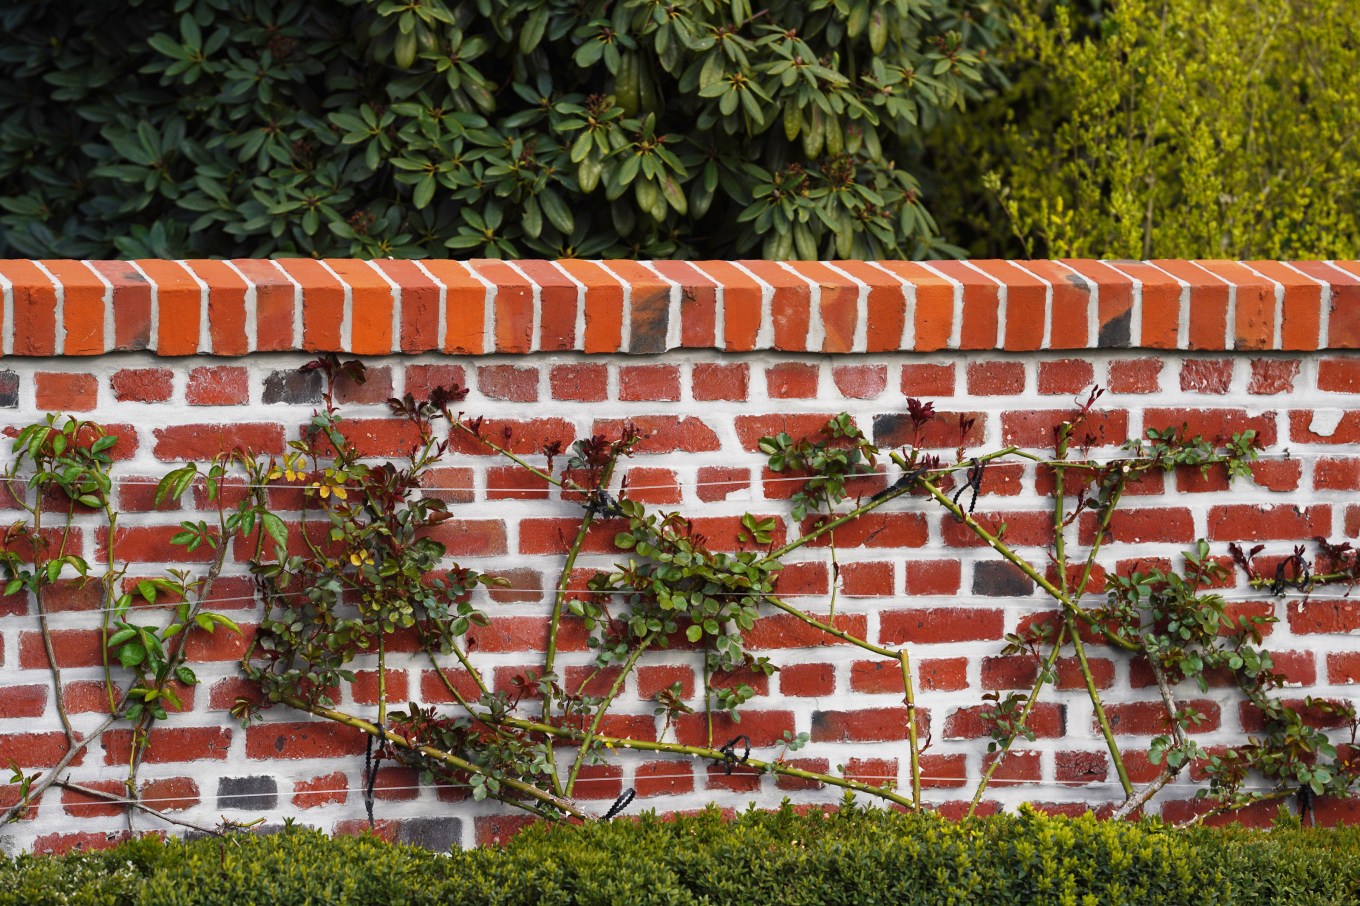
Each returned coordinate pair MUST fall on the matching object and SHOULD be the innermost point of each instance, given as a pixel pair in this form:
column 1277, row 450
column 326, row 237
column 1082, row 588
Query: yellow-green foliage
column 1183, row 128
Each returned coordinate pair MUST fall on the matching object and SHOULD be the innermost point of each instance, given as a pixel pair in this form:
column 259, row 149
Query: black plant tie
column 1278, row 586
column 907, row 480
column 604, row 506
column 1306, row 805
column 371, row 763
column 729, row 752
column 620, row 804
column 973, row 483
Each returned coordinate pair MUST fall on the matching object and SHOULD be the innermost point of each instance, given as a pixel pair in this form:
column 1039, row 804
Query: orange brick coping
column 478, row 307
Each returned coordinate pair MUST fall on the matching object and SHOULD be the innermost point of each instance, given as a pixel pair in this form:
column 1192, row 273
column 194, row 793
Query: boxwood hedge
column 859, row 856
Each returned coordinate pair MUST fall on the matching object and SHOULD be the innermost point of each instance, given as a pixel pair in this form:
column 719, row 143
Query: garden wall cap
column 483, row 306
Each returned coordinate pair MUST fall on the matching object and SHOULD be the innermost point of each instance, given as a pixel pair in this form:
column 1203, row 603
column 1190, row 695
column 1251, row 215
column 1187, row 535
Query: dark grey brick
column 999, row 579
column 9, row 390
column 247, row 793
column 293, row 386
column 436, row 834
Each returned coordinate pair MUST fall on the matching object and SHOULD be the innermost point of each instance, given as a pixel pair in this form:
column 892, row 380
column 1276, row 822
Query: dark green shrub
column 476, row 128
column 855, row 856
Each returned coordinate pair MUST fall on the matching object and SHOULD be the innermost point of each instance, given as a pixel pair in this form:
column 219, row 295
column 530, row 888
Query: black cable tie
column 370, row 776
column 620, row 804
column 729, row 752
column 1278, row 586
column 973, row 482
column 906, row 481
column 603, row 505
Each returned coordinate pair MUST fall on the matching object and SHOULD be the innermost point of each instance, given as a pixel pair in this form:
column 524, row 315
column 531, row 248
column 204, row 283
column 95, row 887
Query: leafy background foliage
column 1161, row 129
column 478, row 128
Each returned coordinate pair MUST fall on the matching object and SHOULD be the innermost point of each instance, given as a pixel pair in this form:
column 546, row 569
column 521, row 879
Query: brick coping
column 483, row 307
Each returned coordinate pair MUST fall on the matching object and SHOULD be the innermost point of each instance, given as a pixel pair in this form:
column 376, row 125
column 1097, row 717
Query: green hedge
column 855, row 856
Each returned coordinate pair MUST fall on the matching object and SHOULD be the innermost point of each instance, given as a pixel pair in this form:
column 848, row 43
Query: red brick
column 663, row 778
column 1206, row 375
column 795, row 784
column 218, row 385
column 323, row 790
column 85, row 805
column 946, row 430
column 933, row 577
column 1278, row 475
column 665, row 433
column 1046, row 719
column 432, row 689
column 869, row 578
column 787, row 631
column 73, row 648
column 654, row 679
column 1022, row 528
column 1324, row 616
column 302, row 739
column 364, row 688
column 82, row 841
column 1065, row 376
column 876, row 529
column 791, row 381
column 514, row 483
column 711, row 381
column 927, row 381
column 751, row 428
column 1071, row 677
column 1339, row 375
column 170, row 744
column 421, row 380
column 765, row 728
column 1135, row 526
column 493, row 830
column 944, row 771
column 599, row 782
column 865, row 725
column 1009, row 672
column 942, row 674
column 23, row 701
column 1337, row 474
column 1035, row 427
column 1304, row 427
column 35, row 750
column 876, row 676
column 860, row 382
column 807, row 680
column 649, row 383
column 520, row 437
column 996, row 378
column 1257, row 522
column 719, row 482
column 199, row 442
column 588, row 383
column 170, row 794
column 151, row 544
column 1135, row 375
column 61, row 392
column 937, row 625
column 1214, row 425
column 652, row 485
column 1081, row 767
column 375, row 389
column 507, row 382
column 1016, row 768
column 1269, row 376
column 142, row 385
column 802, row 579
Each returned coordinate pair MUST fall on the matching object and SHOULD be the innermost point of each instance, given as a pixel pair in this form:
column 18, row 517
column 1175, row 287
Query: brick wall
column 181, row 359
